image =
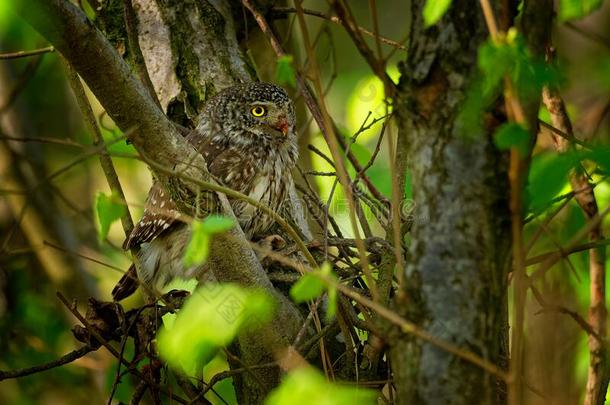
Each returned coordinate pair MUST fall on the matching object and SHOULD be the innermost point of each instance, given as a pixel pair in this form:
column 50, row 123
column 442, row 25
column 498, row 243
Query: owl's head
column 262, row 111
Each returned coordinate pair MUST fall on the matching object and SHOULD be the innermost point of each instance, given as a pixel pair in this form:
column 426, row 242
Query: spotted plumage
column 247, row 137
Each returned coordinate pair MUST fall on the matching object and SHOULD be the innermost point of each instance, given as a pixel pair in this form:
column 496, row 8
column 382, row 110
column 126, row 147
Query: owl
column 247, row 136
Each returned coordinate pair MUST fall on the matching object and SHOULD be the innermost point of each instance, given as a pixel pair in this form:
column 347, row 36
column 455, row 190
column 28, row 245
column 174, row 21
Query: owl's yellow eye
column 258, row 111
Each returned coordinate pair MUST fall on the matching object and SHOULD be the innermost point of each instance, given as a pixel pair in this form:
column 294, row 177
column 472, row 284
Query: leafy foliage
column 210, row 319
column 507, row 58
column 574, row 9
column 548, row 175
column 513, row 135
column 307, row 386
column 109, row 208
column 312, row 285
column 198, row 248
column 434, row 11
column 284, row 71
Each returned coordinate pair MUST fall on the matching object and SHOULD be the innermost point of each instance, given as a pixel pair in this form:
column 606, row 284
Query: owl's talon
column 270, row 243
column 273, row 242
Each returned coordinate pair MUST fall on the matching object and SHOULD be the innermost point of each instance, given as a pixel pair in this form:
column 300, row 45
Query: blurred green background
column 35, row 328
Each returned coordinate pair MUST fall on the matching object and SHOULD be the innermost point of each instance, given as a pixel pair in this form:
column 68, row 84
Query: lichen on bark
column 456, row 277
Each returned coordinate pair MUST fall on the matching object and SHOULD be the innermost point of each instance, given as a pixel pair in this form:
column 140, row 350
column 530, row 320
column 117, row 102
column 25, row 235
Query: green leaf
column 198, row 248
column 434, row 10
column 600, row 155
column 284, row 71
column 308, row 287
column 513, row 135
column 331, row 307
column 109, row 208
column 548, row 175
column 508, row 58
column 214, row 224
column 494, row 60
column 307, row 385
column 210, row 319
column 574, row 9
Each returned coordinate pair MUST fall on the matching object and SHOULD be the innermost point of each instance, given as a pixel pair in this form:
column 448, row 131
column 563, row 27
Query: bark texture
column 456, row 276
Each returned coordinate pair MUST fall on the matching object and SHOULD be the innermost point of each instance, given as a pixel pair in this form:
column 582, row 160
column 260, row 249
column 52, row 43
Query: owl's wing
column 225, row 163
column 160, row 213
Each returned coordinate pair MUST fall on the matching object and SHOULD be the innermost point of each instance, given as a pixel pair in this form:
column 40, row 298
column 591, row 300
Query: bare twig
column 597, row 380
column 564, row 252
column 65, row 359
column 405, row 325
column 25, row 54
column 333, row 144
column 589, row 34
column 280, row 11
column 105, row 160
column 574, row 315
column 377, row 64
column 111, row 349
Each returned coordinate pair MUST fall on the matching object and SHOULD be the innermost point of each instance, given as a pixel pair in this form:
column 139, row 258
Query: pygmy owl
column 247, row 137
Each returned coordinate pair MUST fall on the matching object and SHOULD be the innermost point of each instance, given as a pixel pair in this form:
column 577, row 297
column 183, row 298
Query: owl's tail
column 127, row 285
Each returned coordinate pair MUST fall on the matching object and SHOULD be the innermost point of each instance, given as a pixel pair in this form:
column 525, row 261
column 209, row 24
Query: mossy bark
column 455, row 285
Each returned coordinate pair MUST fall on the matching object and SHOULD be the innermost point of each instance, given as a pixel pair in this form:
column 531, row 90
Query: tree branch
column 597, row 380
column 65, row 359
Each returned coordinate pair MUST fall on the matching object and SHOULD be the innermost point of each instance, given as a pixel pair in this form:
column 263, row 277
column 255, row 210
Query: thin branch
column 377, row 65
column 105, row 160
column 558, row 308
column 332, row 140
column 281, row 11
column 582, row 233
column 565, row 252
column 20, row 83
column 589, row 34
column 42, row 139
column 236, row 194
column 309, row 99
column 405, row 325
column 25, row 54
column 597, row 381
column 65, row 359
column 111, row 349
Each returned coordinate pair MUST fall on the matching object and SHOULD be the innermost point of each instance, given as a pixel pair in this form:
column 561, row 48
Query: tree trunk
column 455, row 283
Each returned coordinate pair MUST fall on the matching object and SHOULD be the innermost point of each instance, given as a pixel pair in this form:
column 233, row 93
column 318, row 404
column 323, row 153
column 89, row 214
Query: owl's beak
column 282, row 125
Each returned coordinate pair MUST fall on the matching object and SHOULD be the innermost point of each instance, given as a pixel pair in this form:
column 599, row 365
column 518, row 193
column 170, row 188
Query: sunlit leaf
column 574, row 9
column 109, row 208
column 331, row 307
column 306, row 385
column 308, row 287
column 434, row 10
column 507, row 58
column 284, row 71
column 210, row 319
column 198, row 248
column 513, row 135
column 217, row 224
